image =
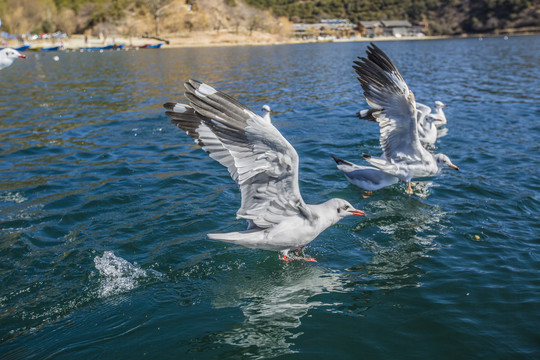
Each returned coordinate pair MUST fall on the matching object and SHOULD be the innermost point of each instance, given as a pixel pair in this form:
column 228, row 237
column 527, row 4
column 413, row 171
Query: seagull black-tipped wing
column 194, row 125
column 387, row 93
column 259, row 159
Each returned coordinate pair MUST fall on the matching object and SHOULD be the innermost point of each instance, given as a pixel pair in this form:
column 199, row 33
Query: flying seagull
column 265, row 167
column 394, row 109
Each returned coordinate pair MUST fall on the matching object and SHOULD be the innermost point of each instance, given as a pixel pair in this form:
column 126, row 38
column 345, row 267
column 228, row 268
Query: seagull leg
column 286, row 257
column 306, row 257
column 409, row 189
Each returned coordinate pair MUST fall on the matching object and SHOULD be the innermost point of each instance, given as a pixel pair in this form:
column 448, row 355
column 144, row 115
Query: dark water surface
column 104, row 207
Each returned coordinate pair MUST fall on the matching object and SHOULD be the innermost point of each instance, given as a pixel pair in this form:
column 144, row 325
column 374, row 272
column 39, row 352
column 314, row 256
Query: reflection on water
column 404, row 232
column 273, row 306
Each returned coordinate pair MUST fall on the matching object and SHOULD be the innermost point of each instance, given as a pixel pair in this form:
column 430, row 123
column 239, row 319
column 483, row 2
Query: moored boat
column 51, row 48
column 149, row 46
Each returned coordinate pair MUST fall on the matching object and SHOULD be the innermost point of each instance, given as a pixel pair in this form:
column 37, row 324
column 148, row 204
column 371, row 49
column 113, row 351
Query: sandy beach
column 199, row 39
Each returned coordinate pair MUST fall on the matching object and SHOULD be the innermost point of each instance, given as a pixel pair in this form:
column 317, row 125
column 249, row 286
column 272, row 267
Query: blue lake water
column 105, row 207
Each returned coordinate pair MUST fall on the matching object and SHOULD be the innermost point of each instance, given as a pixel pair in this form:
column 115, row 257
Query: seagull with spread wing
column 265, row 167
column 394, row 109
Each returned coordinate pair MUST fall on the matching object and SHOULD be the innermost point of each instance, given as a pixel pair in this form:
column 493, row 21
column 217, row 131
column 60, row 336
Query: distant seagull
column 265, row 167
column 366, row 177
column 395, row 111
column 7, row 55
column 266, row 113
column 427, row 125
column 438, row 114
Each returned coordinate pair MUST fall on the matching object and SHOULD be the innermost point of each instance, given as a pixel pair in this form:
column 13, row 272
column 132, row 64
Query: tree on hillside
column 22, row 16
column 157, row 10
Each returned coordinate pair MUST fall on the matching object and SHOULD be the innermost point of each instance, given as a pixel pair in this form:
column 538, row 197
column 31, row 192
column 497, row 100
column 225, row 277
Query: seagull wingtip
column 336, row 159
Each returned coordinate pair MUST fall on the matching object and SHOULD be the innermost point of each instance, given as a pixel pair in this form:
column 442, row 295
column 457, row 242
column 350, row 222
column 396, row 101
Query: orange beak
column 357, row 212
column 22, row 56
column 452, row 166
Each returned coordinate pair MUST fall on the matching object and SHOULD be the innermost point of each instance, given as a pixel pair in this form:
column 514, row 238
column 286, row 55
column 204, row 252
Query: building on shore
column 343, row 28
column 325, row 29
column 390, row 28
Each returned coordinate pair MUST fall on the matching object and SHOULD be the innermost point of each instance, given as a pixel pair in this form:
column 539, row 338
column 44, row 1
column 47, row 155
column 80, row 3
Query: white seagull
column 265, row 111
column 265, row 167
column 427, row 125
column 7, row 55
column 395, row 110
column 438, row 114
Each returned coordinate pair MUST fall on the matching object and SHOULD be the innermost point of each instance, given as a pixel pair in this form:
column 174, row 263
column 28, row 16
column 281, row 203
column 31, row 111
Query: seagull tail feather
column 340, row 161
column 249, row 238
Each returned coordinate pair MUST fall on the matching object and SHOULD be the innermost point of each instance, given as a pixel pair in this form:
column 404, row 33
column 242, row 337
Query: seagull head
column 434, row 120
column 13, row 54
column 444, row 161
column 343, row 208
column 439, row 104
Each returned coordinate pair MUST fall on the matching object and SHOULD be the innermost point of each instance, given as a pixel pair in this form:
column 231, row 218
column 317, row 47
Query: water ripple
column 105, row 207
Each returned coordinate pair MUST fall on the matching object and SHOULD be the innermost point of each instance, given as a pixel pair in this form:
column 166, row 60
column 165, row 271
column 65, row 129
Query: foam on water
column 118, row 275
column 15, row 197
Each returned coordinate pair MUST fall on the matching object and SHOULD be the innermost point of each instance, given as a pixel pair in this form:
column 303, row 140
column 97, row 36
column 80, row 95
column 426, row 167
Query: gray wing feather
column 386, row 91
column 185, row 117
column 259, row 158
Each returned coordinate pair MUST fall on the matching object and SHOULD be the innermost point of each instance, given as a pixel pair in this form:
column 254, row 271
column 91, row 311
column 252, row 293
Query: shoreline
column 223, row 39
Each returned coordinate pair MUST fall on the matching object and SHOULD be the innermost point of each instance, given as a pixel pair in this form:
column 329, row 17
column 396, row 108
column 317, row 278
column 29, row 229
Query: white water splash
column 118, row 275
column 13, row 197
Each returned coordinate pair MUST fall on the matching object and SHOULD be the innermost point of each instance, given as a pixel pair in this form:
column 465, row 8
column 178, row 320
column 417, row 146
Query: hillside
column 135, row 18
column 155, row 17
column 444, row 17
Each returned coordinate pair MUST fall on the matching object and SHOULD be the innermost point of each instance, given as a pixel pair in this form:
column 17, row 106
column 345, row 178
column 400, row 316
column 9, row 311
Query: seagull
column 7, row 55
column 439, row 114
column 366, row 177
column 265, row 167
column 266, row 113
column 387, row 93
column 427, row 125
